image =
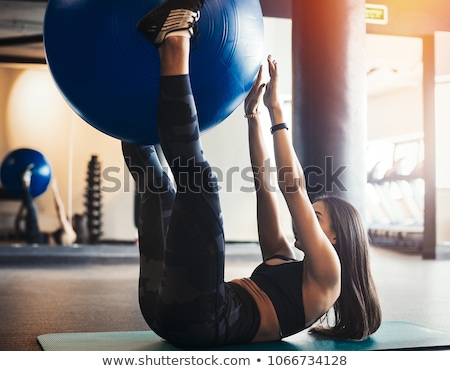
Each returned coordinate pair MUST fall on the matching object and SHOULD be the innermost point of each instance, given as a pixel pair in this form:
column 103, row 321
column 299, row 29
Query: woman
column 183, row 296
column 357, row 310
column 66, row 233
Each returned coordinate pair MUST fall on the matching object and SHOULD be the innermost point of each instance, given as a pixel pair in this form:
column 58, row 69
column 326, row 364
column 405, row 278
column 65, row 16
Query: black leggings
column 28, row 213
column 183, row 296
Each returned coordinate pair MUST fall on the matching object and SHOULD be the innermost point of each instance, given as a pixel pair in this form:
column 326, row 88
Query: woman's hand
column 254, row 96
column 271, row 96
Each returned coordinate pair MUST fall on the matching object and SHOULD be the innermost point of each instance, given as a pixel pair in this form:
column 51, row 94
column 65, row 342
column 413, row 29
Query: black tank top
column 283, row 285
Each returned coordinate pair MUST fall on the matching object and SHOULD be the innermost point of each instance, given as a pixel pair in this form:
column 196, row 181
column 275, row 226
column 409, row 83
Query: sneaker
column 170, row 16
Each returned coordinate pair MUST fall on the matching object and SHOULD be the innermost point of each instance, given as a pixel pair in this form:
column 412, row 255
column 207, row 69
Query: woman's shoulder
column 318, row 298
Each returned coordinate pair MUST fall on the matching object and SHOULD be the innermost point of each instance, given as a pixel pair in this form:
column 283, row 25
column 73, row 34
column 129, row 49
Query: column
column 329, row 96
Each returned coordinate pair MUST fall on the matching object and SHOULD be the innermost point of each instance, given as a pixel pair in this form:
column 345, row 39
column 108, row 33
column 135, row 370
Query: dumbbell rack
column 93, row 199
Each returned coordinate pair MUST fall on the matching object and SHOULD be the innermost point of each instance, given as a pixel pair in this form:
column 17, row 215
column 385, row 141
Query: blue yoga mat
column 392, row 335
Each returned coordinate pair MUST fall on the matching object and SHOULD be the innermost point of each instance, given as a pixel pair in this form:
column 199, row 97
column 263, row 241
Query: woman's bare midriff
column 269, row 328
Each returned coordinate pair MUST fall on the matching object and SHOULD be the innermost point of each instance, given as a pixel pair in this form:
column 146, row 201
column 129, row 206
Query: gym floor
column 94, row 289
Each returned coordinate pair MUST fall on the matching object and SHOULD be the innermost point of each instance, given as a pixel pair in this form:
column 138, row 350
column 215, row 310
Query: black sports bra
column 283, row 284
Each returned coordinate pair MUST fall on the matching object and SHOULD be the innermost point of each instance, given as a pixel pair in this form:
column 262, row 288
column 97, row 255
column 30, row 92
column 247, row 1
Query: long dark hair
column 357, row 311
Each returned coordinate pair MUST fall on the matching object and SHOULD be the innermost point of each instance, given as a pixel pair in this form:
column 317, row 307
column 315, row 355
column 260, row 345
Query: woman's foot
column 171, row 18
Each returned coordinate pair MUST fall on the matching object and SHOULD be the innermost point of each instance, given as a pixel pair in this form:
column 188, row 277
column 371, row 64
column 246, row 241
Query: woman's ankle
column 174, row 55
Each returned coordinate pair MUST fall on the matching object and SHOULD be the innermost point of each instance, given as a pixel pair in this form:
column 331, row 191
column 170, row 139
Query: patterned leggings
column 182, row 292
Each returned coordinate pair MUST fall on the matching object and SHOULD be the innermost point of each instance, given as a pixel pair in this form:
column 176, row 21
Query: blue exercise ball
column 15, row 164
column 109, row 73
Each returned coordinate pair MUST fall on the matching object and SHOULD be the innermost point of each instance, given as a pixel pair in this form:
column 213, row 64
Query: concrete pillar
column 429, row 102
column 329, row 96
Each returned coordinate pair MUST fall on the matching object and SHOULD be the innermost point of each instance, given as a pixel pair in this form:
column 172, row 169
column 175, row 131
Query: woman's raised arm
column 271, row 236
column 322, row 260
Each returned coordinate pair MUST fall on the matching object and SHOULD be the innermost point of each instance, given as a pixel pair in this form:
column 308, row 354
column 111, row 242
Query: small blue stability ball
column 109, row 73
column 15, row 164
